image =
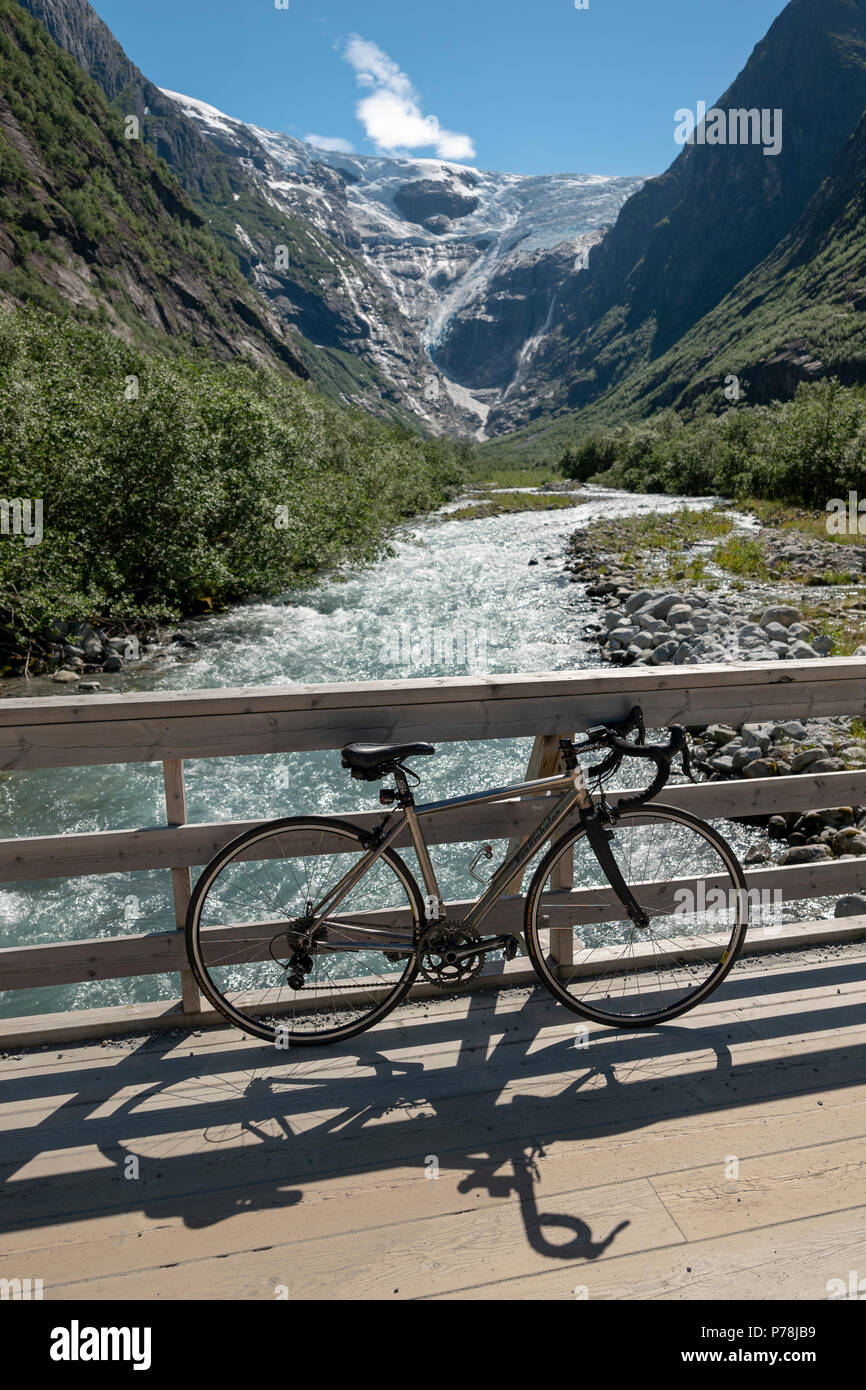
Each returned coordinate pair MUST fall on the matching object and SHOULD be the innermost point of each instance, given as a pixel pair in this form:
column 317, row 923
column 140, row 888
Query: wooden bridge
column 485, row 1148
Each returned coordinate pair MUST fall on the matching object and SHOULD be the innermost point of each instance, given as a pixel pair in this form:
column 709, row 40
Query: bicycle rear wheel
column 273, row 965
column 592, row 958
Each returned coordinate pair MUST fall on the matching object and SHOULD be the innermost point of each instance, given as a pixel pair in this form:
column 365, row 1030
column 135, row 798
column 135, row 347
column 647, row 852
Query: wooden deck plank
column 377, row 1260
column 257, row 1171
column 794, row 1260
column 819, row 1178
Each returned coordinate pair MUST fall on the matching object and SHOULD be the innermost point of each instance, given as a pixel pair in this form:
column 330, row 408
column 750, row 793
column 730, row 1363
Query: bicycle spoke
column 328, row 976
column 627, row 973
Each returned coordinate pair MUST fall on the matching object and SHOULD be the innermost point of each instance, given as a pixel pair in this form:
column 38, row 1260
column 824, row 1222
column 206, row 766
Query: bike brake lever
column 687, row 764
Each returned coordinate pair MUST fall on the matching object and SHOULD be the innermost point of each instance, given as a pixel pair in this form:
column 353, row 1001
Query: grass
column 847, row 633
column 744, row 557
column 500, row 503
column 654, row 547
column 518, row 477
column 808, row 523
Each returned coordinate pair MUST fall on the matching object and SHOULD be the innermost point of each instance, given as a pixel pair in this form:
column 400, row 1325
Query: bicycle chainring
column 436, row 968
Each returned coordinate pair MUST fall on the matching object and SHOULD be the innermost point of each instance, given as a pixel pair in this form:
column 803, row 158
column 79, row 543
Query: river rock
column 849, row 841
column 665, row 652
column 757, row 736
column 794, row 728
column 852, row 905
column 678, row 613
column 808, row 756
column 662, row 606
column 638, row 600
column 827, row 765
column 683, row 655
column 807, row 854
column 623, row 635
column 781, row 613
column 113, row 663
column 836, row 817
column 761, row 767
column 745, row 755
column 801, row 651
column 66, row 677
column 720, row 734
column 723, row 765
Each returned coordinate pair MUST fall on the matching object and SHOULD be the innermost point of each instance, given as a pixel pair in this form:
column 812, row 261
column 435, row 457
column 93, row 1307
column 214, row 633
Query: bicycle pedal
column 512, row 948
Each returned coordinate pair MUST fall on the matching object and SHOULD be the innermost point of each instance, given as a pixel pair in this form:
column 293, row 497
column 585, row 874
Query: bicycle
column 308, row 930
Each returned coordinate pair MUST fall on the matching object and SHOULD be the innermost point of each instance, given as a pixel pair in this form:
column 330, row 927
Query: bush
column 804, row 451
column 212, row 483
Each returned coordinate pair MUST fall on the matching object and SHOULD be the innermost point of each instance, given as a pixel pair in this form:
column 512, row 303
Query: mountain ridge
column 687, row 238
column 94, row 224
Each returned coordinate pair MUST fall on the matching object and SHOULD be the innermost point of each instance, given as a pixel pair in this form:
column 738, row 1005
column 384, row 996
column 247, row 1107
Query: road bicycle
column 308, row 930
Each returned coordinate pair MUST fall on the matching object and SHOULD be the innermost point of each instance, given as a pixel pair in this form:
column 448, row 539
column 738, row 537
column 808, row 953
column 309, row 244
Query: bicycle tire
column 555, row 983
column 229, row 854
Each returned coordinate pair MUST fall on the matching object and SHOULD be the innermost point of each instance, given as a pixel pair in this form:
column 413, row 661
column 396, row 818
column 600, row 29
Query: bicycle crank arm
column 508, row 944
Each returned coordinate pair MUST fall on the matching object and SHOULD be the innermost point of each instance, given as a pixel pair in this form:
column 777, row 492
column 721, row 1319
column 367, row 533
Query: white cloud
column 391, row 112
column 330, row 142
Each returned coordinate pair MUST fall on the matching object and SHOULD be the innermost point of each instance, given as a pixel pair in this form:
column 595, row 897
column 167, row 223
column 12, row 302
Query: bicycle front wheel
column 273, row 963
column 688, row 881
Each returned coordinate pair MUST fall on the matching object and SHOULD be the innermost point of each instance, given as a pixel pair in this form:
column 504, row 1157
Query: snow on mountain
column 472, row 260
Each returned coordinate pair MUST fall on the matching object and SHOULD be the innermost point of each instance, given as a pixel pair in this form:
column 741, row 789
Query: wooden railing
column 172, row 727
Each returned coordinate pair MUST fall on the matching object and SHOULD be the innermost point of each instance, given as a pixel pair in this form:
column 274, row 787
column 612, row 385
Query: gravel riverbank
column 645, row 620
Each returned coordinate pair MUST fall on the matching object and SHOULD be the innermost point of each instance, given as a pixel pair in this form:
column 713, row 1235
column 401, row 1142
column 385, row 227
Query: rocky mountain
column 695, row 253
column 91, row 221
column 473, row 261
column 355, row 343
column 417, row 287
column 800, row 315
column 534, row 307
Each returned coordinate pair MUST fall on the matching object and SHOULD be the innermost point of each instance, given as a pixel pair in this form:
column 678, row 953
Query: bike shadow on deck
column 487, row 1101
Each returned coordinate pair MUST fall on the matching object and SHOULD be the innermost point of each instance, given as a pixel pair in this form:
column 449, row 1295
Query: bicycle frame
column 575, row 796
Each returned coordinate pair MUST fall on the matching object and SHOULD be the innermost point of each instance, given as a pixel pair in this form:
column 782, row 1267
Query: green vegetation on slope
column 168, row 484
column 94, row 225
column 804, row 451
column 730, row 264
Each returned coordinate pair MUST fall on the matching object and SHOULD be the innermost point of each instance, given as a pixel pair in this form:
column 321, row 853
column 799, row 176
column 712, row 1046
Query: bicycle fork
column 599, row 834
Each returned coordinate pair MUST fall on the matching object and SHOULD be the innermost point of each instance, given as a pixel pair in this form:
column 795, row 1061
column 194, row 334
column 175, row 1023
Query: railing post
column 181, row 879
column 545, row 761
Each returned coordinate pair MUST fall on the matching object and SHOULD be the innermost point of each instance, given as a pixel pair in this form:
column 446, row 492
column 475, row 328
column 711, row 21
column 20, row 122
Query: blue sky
column 533, row 86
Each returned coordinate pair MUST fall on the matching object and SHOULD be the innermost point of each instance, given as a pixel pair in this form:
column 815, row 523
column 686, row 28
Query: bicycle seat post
column 405, row 797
